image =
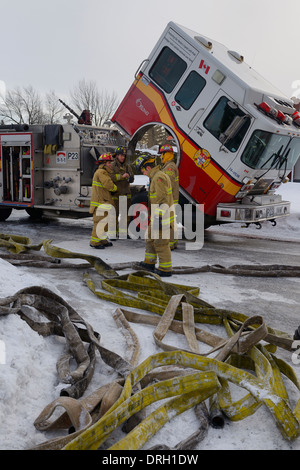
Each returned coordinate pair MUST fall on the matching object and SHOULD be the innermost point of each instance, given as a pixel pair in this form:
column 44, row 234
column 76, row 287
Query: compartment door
column 16, row 166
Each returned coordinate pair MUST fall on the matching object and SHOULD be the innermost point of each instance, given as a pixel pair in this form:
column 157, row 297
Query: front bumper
column 252, row 212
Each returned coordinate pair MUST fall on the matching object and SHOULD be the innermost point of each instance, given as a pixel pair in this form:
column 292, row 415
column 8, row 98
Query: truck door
column 16, row 158
column 209, row 154
column 219, row 133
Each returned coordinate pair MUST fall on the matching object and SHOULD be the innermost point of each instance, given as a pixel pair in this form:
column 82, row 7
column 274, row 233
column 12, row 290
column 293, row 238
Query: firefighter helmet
column 142, row 160
column 165, row 148
column 121, row 150
column 105, row 157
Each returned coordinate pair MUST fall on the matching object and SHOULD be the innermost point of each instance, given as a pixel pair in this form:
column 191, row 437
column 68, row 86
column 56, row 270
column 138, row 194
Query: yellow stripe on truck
column 189, row 149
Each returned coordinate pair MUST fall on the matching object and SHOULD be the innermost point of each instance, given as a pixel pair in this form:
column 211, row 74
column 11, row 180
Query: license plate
column 270, row 212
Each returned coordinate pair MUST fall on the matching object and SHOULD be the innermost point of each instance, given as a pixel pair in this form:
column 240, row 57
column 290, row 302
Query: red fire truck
column 237, row 137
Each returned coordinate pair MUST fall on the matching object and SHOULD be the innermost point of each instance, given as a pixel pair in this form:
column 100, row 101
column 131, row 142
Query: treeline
column 25, row 105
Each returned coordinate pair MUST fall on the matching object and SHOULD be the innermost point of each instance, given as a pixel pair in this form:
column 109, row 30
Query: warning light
column 273, row 112
column 265, row 107
column 225, row 213
column 296, row 118
column 280, row 116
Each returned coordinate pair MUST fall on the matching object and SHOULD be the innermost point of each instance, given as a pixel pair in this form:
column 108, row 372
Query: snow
column 28, row 376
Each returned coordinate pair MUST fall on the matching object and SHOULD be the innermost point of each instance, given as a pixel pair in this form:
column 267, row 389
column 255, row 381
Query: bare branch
column 22, row 106
column 87, row 96
column 53, row 108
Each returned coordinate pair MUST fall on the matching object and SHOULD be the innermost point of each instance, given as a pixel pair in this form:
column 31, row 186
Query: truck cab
column 237, row 137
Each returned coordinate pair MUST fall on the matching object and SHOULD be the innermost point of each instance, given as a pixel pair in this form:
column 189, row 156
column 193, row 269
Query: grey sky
column 53, row 44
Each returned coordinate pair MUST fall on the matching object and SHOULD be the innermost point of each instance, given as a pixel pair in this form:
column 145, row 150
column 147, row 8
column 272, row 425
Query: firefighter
column 101, row 200
column 158, row 234
column 122, row 176
column 169, row 167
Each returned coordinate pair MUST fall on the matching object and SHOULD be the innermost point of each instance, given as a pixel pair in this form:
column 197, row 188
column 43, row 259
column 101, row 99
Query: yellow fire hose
column 17, row 243
column 177, row 307
column 94, row 436
column 193, row 388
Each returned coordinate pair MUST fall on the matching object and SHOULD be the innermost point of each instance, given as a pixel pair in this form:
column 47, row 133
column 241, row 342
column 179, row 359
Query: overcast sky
column 52, row 44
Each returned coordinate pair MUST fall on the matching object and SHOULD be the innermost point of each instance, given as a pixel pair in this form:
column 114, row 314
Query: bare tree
column 25, row 106
column 107, row 106
column 22, row 106
column 53, row 108
column 87, row 96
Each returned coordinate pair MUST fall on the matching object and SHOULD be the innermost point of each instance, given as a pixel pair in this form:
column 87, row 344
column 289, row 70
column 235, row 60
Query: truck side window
column 190, row 90
column 228, row 123
column 167, row 69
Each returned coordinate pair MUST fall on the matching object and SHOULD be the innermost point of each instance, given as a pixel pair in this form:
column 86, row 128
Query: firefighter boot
column 162, row 273
column 147, row 266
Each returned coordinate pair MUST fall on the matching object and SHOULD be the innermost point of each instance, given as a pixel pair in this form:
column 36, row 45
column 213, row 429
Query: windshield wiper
column 276, row 157
column 282, row 161
column 284, row 158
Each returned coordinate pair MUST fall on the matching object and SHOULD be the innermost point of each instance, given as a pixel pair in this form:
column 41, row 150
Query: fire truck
column 237, row 137
column 48, row 169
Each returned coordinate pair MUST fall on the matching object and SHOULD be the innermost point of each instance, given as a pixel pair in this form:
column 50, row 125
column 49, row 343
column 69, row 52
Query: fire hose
column 20, row 246
column 262, row 362
column 171, row 306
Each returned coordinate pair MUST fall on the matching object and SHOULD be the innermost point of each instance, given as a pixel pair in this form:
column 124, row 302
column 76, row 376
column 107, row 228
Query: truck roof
column 232, row 62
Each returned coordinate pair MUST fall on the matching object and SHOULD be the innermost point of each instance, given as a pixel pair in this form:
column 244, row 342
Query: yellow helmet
column 165, row 148
column 166, row 153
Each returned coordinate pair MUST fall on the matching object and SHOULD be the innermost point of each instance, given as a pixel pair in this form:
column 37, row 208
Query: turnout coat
column 101, row 189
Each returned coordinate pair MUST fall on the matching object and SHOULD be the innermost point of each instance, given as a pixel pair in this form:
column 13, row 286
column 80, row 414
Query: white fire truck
column 48, row 169
column 237, row 137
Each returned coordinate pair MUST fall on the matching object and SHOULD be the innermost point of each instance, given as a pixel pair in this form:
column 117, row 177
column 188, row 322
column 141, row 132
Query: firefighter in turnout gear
column 102, row 206
column 122, row 176
column 169, row 167
column 160, row 202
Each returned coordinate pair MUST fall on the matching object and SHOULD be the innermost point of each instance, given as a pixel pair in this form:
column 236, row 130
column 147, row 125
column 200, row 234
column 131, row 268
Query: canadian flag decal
column 204, row 66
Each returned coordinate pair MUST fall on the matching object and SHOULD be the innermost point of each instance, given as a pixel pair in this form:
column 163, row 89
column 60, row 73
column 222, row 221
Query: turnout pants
column 103, row 225
column 159, row 248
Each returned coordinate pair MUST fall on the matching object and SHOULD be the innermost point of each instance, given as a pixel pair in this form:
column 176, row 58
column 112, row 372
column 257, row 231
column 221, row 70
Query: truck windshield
column 264, row 150
column 292, row 153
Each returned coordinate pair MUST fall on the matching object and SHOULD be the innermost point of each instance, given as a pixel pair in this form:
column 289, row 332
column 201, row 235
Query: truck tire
column 5, row 213
column 34, row 213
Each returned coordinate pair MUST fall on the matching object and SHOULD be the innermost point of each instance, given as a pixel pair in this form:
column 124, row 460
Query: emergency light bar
column 296, row 118
column 279, row 115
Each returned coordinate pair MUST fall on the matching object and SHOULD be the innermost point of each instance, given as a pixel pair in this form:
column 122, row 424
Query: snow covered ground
column 28, row 377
